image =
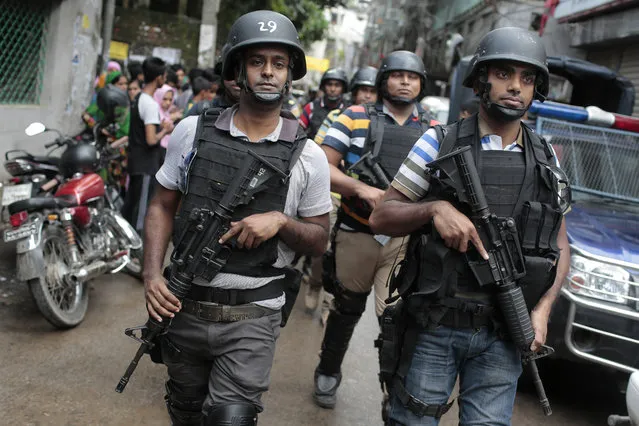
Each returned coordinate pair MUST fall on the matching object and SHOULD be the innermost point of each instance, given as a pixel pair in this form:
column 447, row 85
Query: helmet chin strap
column 396, row 100
column 500, row 112
column 265, row 98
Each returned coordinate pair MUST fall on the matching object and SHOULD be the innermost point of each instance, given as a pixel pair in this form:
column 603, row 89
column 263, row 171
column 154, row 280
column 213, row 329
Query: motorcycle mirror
column 35, row 129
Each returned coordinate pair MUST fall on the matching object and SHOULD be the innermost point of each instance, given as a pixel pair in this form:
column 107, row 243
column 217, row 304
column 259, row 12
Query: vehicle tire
column 63, row 305
column 134, row 267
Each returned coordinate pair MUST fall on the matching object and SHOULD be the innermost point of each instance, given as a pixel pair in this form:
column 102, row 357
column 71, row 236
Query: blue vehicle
column 596, row 317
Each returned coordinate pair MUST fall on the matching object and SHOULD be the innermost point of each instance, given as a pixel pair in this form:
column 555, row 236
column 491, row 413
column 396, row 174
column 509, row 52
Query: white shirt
column 308, row 193
column 149, row 109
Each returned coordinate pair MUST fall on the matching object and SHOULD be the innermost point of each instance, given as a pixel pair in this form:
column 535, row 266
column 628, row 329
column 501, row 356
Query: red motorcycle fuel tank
column 84, row 188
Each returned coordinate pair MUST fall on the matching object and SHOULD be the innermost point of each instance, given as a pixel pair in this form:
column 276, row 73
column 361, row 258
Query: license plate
column 13, row 193
column 20, row 233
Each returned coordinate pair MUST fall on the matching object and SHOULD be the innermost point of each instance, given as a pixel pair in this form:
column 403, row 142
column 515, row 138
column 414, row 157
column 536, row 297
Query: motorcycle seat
column 54, row 161
column 40, row 203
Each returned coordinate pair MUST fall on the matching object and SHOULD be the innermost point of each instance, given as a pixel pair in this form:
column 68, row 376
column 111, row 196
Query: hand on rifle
column 160, row 302
column 456, row 229
column 255, row 229
column 370, row 194
column 539, row 320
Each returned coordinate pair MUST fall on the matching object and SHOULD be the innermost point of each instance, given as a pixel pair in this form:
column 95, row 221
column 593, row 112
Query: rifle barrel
column 539, row 387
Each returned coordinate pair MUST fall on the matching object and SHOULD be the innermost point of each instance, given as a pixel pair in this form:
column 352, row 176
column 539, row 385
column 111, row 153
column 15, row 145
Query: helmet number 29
column 272, row 26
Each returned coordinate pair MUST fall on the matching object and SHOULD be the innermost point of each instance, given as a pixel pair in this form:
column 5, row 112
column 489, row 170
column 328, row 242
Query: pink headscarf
column 165, row 114
column 113, row 66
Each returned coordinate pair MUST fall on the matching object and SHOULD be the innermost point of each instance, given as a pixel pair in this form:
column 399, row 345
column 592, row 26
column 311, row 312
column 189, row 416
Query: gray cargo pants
column 213, row 363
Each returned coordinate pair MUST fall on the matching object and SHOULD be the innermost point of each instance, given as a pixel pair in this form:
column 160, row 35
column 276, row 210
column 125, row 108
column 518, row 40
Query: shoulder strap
column 375, row 129
column 300, row 143
column 446, row 136
column 425, row 120
column 541, row 148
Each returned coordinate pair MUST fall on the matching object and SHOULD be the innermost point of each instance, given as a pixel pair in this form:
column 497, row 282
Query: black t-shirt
column 143, row 158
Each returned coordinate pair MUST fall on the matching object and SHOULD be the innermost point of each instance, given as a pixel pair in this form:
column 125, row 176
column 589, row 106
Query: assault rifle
column 505, row 266
column 198, row 252
column 369, row 164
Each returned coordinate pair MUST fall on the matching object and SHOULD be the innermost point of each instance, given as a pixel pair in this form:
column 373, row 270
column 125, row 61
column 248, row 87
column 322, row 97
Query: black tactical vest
column 516, row 185
column 319, row 115
column 397, row 141
column 217, row 157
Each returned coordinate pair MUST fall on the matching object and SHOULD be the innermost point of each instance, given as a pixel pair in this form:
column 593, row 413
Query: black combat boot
column 339, row 330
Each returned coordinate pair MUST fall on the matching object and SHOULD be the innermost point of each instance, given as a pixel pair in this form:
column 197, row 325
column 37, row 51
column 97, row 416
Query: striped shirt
column 307, row 112
column 326, row 124
column 411, row 179
column 348, row 133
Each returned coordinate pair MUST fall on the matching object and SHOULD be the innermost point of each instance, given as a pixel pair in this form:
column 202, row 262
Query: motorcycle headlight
column 599, row 280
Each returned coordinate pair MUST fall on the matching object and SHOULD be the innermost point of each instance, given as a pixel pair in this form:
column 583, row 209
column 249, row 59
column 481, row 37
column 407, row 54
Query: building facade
column 605, row 32
column 47, row 69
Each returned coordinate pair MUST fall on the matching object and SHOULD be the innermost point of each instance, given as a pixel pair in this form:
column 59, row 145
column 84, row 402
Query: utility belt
column 234, row 297
column 466, row 314
column 289, row 285
column 214, row 312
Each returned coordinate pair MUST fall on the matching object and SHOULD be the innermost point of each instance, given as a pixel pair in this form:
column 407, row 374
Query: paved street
column 68, row 378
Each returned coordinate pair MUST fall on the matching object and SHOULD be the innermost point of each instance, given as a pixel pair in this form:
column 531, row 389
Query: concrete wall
column 73, row 46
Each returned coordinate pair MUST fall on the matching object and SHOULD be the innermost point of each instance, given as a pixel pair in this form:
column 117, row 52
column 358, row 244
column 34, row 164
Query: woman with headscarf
column 164, row 96
column 93, row 114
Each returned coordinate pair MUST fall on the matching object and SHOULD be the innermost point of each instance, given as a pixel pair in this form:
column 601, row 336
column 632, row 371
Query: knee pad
column 184, row 410
column 349, row 302
column 232, row 414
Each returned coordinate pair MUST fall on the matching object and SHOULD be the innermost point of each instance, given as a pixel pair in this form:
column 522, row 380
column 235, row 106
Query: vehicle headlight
column 599, row 280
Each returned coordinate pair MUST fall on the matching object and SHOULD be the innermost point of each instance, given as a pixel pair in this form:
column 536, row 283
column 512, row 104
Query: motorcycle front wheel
column 62, row 304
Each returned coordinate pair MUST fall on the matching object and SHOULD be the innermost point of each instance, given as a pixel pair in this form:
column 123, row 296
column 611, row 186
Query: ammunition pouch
column 540, row 276
column 538, row 228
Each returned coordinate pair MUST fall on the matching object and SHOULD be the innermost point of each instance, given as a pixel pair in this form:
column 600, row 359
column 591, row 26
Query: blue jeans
column 488, row 371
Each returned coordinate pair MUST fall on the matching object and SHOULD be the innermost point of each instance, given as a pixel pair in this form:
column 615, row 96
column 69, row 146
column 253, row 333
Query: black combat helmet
column 364, row 77
column 264, row 27
column 401, row 60
column 335, row 74
column 508, row 44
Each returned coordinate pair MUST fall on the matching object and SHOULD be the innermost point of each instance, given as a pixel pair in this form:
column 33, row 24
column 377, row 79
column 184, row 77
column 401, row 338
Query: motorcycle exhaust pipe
column 96, row 269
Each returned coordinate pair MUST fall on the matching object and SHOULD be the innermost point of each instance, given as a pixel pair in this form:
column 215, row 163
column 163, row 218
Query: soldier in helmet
column 219, row 348
column 229, row 92
column 363, row 91
column 334, row 84
column 456, row 326
column 364, row 260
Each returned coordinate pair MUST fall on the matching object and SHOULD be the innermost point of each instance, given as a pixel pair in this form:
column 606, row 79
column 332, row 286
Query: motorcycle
column 31, row 175
column 71, row 237
column 632, row 402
